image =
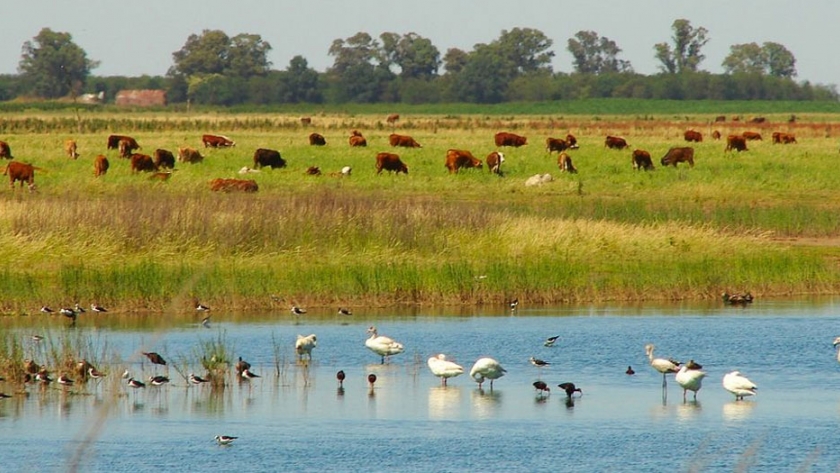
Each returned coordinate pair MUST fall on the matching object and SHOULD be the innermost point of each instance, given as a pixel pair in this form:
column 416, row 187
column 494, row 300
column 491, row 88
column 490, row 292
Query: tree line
column 215, row 69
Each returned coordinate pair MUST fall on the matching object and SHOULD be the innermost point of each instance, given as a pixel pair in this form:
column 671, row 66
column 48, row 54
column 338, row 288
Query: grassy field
column 764, row 220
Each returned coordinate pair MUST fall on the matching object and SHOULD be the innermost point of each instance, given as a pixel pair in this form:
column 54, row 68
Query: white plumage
column 486, row 368
column 690, row 380
column 304, row 345
column 739, row 385
column 837, row 342
column 443, row 368
column 382, row 345
column 660, row 364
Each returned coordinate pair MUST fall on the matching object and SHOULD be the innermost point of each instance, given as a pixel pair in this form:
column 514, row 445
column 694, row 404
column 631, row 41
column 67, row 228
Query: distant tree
column 769, row 59
column 685, row 55
column 52, row 65
column 301, row 83
column 415, row 55
column 485, row 76
column 455, row 60
column 358, row 50
column 213, row 52
column 596, row 55
column 358, row 73
column 525, row 49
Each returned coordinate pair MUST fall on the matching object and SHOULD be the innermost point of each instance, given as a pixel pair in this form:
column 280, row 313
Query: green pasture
column 764, row 220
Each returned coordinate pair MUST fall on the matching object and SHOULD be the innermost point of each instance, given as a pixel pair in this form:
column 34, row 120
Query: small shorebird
column 297, row 310
column 570, row 389
column 549, row 342
column 343, row 311
column 225, row 439
column 197, row 379
column 340, row 377
column 94, row 374
column 69, row 313
column 630, row 371
column 241, row 366
column 43, row 377
column 737, row 299
column 538, row 363
column 514, row 304
column 126, row 374
column 37, row 338
column 155, row 358
column 79, row 309
column 5, row 396
column 201, row 307
column 65, row 381
column 133, row 383
column 158, row 380
column 247, row 374
column 46, row 310
column 97, row 308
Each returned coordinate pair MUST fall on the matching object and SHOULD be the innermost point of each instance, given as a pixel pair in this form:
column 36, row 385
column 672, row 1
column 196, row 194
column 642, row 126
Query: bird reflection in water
column 485, row 402
column 737, row 411
column 444, row 402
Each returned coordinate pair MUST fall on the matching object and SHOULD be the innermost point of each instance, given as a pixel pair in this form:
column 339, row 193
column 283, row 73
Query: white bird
column 443, row 368
column 690, row 379
column 197, row 379
column 304, row 345
column 382, row 345
column 97, row 308
column 837, row 342
column 225, row 439
column 297, row 310
column 486, row 368
column 739, row 385
column 346, row 170
column 660, row 364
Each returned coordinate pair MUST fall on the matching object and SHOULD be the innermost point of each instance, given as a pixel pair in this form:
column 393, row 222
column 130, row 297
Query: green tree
column 358, row 50
column 301, row 83
column 484, row 78
column 685, row 55
column 596, row 55
column 455, row 60
column 359, row 72
column 525, row 49
column 248, row 56
column 53, row 65
column 780, row 61
column 415, row 55
column 771, row 59
column 213, row 52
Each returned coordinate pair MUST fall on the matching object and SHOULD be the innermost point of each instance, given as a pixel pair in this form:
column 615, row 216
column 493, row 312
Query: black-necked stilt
column 155, row 358
column 43, row 377
column 97, row 308
column 343, row 311
column 549, row 342
column 133, row 383
column 65, row 381
column 5, row 396
column 514, row 304
column 94, row 373
column 158, row 380
column 541, row 387
column 538, row 363
column 247, row 374
column 197, row 379
column 297, row 310
column 630, row 371
column 37, row 338
column 737, row 299
column 570, row 389
column 69, row 313
column 79, row 309
column 241, row 366
column 340, row 377
column 201, row 307
column 225, row 439
column 46, row 310
column 205, row 322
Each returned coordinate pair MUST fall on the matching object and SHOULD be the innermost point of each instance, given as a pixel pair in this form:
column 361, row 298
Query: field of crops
column 764, row 220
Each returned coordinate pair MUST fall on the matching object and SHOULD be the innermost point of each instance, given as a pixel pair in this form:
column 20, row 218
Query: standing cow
column 70, row 149
column 268, row 158
column 641, row 160
column 5, row 150
column 494, row 162
column 457, row 159
column 142, row 163
column 678, row 155
column 217, row 141
column 564, row 162
column 736, row 142
column 20, row 172
column 693, row 136
column 391, row 163
column 164, row 159
column 100, row 165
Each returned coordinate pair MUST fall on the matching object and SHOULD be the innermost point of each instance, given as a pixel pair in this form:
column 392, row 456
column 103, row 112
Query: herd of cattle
column 162, row 161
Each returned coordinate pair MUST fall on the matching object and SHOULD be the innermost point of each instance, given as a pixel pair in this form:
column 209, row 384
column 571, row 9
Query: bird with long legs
column 443, row 368
column 486, row 368
column 382, row 345
column 690, row 378
column 155, row 358
column 661, row 364
column 739, row 385
column 542, row 388
column 570, row 389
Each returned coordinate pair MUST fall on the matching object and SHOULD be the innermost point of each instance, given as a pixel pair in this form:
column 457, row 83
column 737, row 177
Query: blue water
column 296, row 418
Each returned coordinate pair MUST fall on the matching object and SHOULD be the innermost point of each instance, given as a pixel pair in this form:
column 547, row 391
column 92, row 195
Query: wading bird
column 382, row 345
column 340, row 377
column 660, row 364
column 304, row 345
column 690, row 378
column 486, row 368
column 570, row 389
column 739, row 385
column 443, row 368
column 225, row 439
column 549, row 342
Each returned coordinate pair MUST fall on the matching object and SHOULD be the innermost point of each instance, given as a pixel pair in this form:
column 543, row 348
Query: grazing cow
column 783, row 138
column 571, row 141
column 189, row 155
column 758, row 120
column 403, row 141
column 142, row 163
column 510, row 139
column 317, row 139
column 70, row 149
column 738, row 143
column 127, row 146
column 234, row 185
column 305, row 121
column 720, row 118
column 164, row 159
column 494, row 162
column 695, row 136
column 217, row 141
column 715, row 135
column 556, row 144
column 751, row 136
column 678, row 155
column 390, row 162
column 564, row 162
column 313, row 171
column 21, row 172
column 356, row 139
column 5, row 150
column 100, row 165
column 393, row 118
column 268, row 157
column 615, row 142
column 641, row 160
column 461, row 158
column 114, row 141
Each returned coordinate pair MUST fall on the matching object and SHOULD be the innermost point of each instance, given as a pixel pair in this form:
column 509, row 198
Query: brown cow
column 189, row 155
column 571, row 141
column 783, row 138
column 564, row 162
column 758, row 120
column 230, row 185
column 556, row 144
column 21, row 172
column 100, row 165
column 641, row 160
column 70, row 149
column 305, row 121
column 504, row 138
column 313, row 171
column 615, row 142
column 5, row 150
column 751, row 136
column 356, row 139
column 114, row 141
column 164, row 159
column 403, row 141
column 678, row 155
column 735, row 142
column 127, row 146
column 692, row 135
column 461, row 158
column 268, row 158
column 390, row 162
column 217, row 141
column 317, row 139
column 720, row 118
column 142, row 163
column 393, row 118
column 715, row 135
column 494, row 162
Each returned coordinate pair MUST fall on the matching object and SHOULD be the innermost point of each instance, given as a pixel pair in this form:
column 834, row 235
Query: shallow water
column 297, row 418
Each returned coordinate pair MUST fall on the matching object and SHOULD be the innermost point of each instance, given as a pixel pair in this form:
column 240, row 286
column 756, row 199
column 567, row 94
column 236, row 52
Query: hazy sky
column 135, row 38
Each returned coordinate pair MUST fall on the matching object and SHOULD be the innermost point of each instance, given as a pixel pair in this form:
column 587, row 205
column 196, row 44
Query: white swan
column 690, row 380
column 739, row 385
column 660, row 364
column 304, row 345
column 837, row 342
column 443, row 368
column 486, row 368
column 382, row 345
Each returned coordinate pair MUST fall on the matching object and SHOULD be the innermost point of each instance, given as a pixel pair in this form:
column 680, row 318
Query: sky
column 132, row 38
